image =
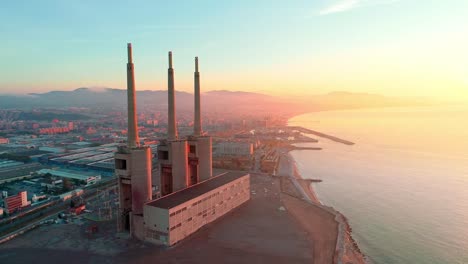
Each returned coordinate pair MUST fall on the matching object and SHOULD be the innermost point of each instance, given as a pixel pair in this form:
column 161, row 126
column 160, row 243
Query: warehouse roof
column 194, row 191
column 79, row 175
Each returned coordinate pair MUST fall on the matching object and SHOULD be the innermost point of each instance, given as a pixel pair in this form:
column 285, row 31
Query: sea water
column 403, row 186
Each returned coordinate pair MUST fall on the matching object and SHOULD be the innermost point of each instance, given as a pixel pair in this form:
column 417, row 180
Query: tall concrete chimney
column 197, row 127
column 172, row 126
column 133, row 140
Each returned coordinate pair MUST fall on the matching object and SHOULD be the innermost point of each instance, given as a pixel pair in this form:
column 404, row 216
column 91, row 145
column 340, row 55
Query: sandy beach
column 327, row 228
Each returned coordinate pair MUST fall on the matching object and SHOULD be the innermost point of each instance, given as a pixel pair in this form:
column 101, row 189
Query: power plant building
column 184, row 166
column 174, row 217
column 133, row 167
column 192, row 155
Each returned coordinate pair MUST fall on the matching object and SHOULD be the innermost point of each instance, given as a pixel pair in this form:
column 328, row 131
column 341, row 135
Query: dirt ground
column 320, row 225
column 260, row 231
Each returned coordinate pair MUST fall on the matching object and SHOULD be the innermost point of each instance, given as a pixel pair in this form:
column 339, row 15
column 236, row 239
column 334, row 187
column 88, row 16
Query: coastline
column 307, row 187
column 346, row 250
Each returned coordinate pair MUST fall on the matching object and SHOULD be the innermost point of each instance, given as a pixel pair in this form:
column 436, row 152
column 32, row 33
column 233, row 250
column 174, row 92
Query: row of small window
column 206, row 198
column 204, row 213
column 176, row 226
column 178, row 211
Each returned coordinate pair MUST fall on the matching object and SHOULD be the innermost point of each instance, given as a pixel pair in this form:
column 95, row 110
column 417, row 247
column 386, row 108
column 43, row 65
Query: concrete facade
column 169, row 224
column 183, row 162
column 171, row 120
column 133, row 170
column 197, row 128
column 179, row 158
column 133, row 139
column 204, row 152
column 199, row 159
column 173, row 166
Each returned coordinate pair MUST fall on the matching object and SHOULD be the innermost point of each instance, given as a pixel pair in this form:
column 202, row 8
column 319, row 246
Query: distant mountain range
column 219, row 101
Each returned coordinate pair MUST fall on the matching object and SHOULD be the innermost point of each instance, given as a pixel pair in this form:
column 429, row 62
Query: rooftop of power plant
column 188, row 194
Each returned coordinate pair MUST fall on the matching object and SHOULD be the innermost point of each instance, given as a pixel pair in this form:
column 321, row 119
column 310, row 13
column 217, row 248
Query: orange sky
column 390, row 47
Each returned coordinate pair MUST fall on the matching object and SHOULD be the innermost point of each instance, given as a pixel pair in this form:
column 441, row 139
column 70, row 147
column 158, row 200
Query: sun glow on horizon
column 395, row 48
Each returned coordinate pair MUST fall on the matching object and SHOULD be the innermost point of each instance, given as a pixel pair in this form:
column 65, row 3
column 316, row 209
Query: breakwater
column 291, row 147
column 320, row 134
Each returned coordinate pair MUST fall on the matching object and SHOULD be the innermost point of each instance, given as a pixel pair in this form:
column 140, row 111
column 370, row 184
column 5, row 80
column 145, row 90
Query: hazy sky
column 393, row 47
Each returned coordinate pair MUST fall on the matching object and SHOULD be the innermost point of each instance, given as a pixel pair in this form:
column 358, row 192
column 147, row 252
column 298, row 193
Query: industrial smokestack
column 133, row 139
column 197, row 128
column 172, row 127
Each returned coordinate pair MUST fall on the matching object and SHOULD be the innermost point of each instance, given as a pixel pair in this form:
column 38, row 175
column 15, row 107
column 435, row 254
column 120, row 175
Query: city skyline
column 396, row 48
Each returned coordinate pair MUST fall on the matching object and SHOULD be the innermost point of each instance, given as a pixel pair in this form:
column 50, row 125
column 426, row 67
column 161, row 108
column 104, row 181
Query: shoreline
column 307, row 187
column 347, row 250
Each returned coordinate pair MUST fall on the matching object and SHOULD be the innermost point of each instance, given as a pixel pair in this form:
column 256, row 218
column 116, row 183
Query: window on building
column 192, row 149
column 163, row 154
column 120, row 164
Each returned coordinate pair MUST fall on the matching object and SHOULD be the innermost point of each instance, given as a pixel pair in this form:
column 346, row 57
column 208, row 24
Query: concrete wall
column 205, row 160
column 186, row 218
column 123, row 172
column 157, row 218
column 179, row 161
column 156, row 224
column 137, row 228
column 124, row 185
column 141, row 164
column 134, row 187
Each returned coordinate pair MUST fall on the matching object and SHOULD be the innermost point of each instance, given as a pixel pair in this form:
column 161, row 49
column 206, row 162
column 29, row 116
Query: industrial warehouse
column 187, row 195
column 99, row 158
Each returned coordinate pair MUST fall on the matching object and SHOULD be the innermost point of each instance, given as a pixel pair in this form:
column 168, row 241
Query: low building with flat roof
column 174, row 217
column 89, row 178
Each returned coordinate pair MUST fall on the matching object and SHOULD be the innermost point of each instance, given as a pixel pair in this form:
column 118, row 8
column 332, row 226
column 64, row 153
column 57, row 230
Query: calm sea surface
column 403, row 186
